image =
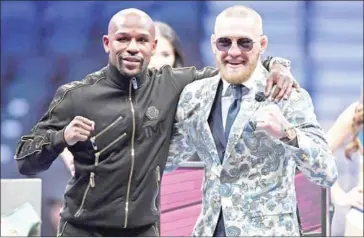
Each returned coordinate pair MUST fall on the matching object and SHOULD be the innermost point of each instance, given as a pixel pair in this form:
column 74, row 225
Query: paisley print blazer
column 254, row 185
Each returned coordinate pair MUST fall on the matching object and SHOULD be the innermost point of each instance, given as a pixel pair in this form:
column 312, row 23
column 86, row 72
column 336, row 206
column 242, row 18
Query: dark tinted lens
column 223, row 44
column 245, row 44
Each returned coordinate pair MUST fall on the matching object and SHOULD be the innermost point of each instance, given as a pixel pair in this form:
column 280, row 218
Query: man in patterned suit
column 251, row 146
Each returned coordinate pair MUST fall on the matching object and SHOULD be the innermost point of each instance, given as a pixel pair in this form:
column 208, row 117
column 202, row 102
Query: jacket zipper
column 155, row 230
column 93, row 139
column 92, row 183
column 132, row 154
column 157, row 170
column 97, row 155
column 158, row 178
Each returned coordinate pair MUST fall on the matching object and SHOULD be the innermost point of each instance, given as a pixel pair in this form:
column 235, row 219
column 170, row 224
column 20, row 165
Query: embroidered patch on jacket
column 152, row 113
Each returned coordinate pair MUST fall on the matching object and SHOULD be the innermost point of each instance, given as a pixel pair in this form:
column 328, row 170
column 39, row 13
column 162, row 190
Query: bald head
column 130, row 16
column 130, row 41
column 239, row 14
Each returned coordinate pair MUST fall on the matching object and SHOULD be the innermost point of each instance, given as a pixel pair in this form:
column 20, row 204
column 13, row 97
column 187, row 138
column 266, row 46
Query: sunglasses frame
column 237, row 40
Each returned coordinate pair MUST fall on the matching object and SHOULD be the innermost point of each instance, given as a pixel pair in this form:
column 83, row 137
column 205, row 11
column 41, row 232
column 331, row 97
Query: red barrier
column 181, row 202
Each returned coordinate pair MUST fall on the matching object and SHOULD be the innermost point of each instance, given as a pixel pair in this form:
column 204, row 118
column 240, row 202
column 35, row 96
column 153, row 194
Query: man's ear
column 106, row 43
column 213, row 43
column 154, row 46
column 263, row 44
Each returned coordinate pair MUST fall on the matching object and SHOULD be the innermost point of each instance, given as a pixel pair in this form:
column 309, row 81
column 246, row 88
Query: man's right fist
column 79, row 129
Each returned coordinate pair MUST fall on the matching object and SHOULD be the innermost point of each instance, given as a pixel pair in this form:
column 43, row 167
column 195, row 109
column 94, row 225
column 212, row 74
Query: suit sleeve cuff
column 304, row 145
column 293, row 142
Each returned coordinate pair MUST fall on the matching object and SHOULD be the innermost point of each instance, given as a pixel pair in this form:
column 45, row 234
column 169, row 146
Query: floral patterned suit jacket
column 254, row 185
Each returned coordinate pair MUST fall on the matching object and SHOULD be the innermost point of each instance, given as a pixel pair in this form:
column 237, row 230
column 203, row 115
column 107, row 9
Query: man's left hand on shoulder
column 281, row 77
column 271, row 119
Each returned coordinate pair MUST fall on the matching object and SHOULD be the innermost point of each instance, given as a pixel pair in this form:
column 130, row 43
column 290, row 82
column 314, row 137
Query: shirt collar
column 249, row 83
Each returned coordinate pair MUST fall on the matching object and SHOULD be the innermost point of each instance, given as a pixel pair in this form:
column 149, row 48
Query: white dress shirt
column 227, row 97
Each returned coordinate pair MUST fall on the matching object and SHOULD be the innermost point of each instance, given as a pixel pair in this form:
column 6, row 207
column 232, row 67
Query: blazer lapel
column 208, row 100
column 217, row 114
column 247, row 108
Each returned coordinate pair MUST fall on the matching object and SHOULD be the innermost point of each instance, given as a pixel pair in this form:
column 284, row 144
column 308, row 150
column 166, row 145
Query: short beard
column 238, row 77
column 119, row 66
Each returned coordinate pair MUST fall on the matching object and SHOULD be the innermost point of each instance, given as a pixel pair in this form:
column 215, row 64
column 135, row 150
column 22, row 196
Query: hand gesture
column 270, row 119
column 281, row 77
column 79, row 129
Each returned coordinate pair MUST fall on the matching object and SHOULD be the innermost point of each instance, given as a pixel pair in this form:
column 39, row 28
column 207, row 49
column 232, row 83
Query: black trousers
column 220, row 227
column 66, row 229
column 299, row 221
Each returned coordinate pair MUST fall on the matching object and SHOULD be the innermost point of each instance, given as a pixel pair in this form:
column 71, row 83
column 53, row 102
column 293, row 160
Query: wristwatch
column 281, row 61
column 289, row 134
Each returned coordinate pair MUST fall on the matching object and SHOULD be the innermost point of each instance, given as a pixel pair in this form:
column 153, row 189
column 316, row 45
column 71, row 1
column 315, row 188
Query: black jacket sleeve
column 37, row 151
column 184, row 76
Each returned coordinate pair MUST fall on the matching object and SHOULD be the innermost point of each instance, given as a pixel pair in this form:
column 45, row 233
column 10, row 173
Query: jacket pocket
column 90, row 185
column 155, row 200
column 97, row 158
column 61, row 227
column 102, row 138
column 98, row 154
column 156, row 231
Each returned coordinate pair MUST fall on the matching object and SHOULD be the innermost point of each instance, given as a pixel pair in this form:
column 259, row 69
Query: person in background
column 168, row 50
column 347, row 192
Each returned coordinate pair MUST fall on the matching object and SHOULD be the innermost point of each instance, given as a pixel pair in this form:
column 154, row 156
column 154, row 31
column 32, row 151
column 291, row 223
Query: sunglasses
column 244, row 44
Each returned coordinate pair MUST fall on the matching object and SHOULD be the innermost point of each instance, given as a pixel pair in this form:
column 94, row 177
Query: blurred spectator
column 347, row 192
column 168, row 51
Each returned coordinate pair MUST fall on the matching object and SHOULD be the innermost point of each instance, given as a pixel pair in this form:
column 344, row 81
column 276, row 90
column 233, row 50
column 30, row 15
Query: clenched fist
column 79, row 129
column 271, row 120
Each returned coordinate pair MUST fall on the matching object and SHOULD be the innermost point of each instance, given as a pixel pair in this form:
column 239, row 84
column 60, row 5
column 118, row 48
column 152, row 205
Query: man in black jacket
column 117, row 123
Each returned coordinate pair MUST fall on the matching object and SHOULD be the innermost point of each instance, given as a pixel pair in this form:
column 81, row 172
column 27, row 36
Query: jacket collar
column 122, row 81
